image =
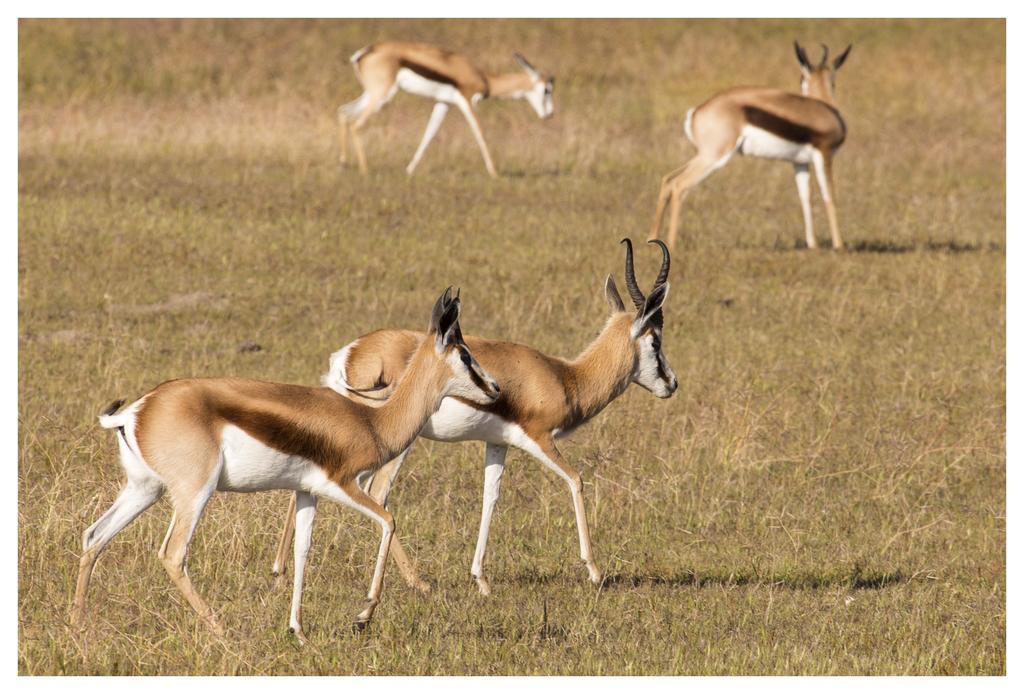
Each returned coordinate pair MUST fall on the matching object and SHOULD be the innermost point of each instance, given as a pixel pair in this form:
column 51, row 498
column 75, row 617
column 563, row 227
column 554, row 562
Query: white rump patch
column 336, row 377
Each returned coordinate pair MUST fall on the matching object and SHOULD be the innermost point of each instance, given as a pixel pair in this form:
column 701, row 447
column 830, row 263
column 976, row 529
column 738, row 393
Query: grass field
column 824, row 494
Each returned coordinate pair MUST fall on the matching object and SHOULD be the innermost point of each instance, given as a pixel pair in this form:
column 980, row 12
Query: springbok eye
column 466, row 359
column 656, row 344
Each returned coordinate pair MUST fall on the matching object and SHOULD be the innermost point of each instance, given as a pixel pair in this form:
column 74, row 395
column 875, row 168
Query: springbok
column 442, row 75
column 543, row 398
column 193, row 437
column 770, row 124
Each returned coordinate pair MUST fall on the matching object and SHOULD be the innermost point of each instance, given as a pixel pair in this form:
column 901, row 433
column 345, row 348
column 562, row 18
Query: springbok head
column 819, row 81
column 541, row 93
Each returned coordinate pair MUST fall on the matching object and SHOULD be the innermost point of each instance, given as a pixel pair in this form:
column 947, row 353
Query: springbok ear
column 651, row 309
column 439, row 306
column 611, row 293
column 801, row 56
column 448, row 325
column 841, row 58
column 525, row 64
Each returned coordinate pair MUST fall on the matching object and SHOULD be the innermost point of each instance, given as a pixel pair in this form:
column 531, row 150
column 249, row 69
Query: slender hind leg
column 136, row 497
column 823, row 171
column 342, row 137
column 346, row 113
column 187, row 513
column 374, row 101
column 664, row 193
column 697, row 169
column 802, row 174
column 494, row 467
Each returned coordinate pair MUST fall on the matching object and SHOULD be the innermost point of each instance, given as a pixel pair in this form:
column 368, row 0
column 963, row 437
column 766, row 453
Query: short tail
column 688, row 125
column 110, row 420
column 357, row 56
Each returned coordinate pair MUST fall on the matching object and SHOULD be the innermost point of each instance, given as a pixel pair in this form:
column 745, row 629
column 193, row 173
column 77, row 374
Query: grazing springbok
column 435, row 73
column 770, row 124
column 193, row 437
column 542, row 399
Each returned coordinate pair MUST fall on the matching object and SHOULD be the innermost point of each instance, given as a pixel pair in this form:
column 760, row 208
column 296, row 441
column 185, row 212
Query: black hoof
column 359, row 627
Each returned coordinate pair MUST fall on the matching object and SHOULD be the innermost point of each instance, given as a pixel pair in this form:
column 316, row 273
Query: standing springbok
column 196, row 436
column 442, row 75
column 543, row 398
column 770, row 124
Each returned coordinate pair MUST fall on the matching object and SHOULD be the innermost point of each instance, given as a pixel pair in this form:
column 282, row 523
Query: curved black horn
column 838, row 62
column 824, row 55
column 634, row 291
column 666, row 261
column 801, row 55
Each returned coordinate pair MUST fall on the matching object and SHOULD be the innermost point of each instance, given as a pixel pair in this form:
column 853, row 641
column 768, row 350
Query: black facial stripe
column 662, row 372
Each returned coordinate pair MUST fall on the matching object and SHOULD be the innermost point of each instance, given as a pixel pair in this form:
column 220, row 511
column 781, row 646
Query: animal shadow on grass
column 853, row 578
column 554, row 172
column 952, row 247
column 895, row 248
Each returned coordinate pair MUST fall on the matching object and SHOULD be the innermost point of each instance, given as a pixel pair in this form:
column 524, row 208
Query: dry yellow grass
column 824, row 494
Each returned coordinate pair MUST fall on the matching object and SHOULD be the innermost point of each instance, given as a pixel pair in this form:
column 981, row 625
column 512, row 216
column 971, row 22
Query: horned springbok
column 770, row 124
column 543, row 398
column 196, row 436
column 435, row 73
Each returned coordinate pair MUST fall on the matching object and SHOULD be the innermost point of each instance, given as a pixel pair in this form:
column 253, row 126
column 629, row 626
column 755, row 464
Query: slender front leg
column 305, row 514
column 380, row 489
column 349, row 494
column 823, row 171
column 436, row 118
column 802, row 173
column 543, row 449
column 474, row 125
column 494, row 467
column 366, row 505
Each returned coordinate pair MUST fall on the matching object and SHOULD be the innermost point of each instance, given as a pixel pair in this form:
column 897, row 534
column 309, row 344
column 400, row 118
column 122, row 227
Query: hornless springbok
column 435, row 73
column 196, row 436
column 770, row 124
column 542, row 399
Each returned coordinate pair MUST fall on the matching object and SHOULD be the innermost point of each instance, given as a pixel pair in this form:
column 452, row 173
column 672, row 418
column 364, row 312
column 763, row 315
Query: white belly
column 409, row 81
column 455, row 421
column 252, row 466
column 756, row 142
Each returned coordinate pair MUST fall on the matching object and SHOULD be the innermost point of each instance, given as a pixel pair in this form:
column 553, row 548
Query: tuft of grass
column 824, row 494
